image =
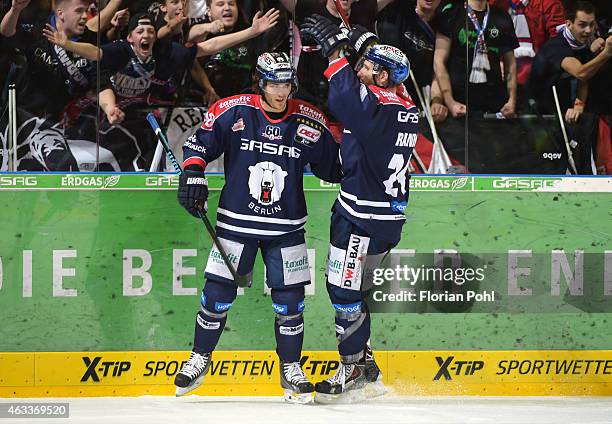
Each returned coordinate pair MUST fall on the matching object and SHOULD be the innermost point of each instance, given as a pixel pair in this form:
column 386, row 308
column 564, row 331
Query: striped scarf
column 517, row 12
column 571, row 40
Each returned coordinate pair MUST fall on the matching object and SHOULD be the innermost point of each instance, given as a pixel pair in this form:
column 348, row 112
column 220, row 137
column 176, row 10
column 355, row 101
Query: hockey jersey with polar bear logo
column 264, row 162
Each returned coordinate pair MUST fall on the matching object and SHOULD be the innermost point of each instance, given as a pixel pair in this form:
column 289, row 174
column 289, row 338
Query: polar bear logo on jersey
column 266, row 182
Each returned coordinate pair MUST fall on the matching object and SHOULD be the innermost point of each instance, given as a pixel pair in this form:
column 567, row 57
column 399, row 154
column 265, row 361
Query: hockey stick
column 438, row 151
column 343, row 16
column 241, row 280
column 570, row 156
column 419, row 161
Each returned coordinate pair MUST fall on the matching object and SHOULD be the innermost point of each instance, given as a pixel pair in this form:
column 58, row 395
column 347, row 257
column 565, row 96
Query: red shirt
column 542, row 16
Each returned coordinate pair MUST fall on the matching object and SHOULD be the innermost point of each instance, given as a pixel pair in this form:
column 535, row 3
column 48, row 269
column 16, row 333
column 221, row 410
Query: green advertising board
column 112, row 262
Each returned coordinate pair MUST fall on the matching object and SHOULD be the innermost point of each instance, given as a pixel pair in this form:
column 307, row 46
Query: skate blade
column 375, row 389
column 299, row 398
column 181, row 391
column 369, row 391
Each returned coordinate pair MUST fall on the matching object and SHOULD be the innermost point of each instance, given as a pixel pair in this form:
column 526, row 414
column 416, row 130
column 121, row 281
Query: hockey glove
column 193, row 192
column 361, row 39
column 324, row 33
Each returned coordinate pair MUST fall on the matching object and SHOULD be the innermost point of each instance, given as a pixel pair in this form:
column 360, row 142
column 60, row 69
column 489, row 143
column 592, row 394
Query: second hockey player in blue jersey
column 380, row 131
column 267, row 140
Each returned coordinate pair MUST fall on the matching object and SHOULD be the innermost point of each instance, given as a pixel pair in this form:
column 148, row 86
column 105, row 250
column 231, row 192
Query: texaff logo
column 117, row 368
column 297, row 265
column 318, row 367
column 311, row 113
column 215, row 254
column 458, row 367
column 242, row 100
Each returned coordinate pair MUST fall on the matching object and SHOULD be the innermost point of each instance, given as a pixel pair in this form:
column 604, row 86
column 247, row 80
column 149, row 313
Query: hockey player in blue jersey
column 381, row 125
column 267, row 141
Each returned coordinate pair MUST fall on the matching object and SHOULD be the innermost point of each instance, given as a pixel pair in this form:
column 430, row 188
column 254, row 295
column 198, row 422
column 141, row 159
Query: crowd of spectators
column 504, row 59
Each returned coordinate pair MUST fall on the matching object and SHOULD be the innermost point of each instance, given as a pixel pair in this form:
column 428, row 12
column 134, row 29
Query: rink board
column 111, row 263
column 255, row 373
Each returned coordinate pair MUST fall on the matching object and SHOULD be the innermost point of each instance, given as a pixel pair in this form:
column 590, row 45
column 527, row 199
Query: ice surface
column 386, row 410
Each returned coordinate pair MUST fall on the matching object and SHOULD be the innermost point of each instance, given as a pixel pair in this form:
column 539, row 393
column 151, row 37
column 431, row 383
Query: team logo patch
column 307, row 135
column 266, row 182
column 209, row 120
column 238, row 125
column 272, row 133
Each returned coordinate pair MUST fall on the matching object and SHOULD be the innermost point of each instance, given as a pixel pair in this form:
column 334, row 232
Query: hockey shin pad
column 217, row 299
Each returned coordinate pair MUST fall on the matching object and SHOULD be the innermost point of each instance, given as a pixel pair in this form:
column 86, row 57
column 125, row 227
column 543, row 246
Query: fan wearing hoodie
column 142, row 67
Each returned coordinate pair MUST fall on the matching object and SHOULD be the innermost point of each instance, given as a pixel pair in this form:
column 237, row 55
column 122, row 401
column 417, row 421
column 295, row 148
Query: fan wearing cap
column 53, row 73
column 267, row 140
column 54, row 79
column 381, row 125
column 142, row 67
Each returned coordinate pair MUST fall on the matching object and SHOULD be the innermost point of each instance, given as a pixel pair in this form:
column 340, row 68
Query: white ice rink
column 270, row 410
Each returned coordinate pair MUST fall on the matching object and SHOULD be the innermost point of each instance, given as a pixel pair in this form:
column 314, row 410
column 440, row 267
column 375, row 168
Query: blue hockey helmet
column 274, row 67
column 390, row 58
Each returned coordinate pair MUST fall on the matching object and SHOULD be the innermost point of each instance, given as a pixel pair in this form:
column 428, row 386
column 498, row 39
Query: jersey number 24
column 399, row 166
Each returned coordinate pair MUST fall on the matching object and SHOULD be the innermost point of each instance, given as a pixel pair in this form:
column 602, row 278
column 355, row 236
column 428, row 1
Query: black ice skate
column 372, row 372
column 352, row 383
column 297, row 387
column 191, row 376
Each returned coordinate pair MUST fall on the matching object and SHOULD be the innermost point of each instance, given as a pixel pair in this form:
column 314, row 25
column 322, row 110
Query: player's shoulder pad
column 223, row 105
column 386, row 97
column 300, row 107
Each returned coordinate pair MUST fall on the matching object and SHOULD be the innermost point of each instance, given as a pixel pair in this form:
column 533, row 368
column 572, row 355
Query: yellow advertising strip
column 16, row 369
column 255, row 373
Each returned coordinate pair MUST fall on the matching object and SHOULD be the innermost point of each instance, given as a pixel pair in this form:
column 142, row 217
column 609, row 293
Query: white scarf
column 521, row 29
column 480, row 62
